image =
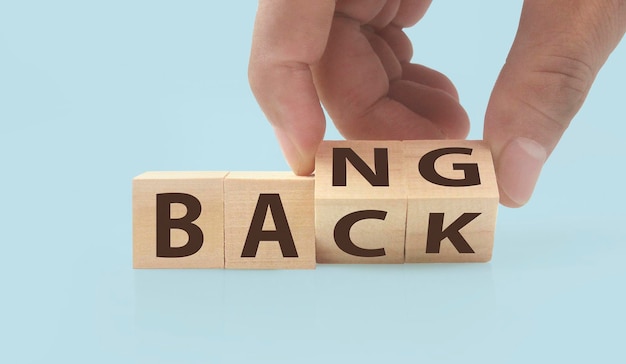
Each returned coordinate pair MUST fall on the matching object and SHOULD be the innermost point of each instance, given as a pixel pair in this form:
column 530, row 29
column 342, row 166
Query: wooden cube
column 269, row 221
column 178, row 220
column 452, row 201
column 360, row 202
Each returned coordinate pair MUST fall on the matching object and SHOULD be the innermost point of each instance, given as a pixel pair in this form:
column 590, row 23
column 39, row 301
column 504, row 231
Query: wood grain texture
column 359, row 222
column 369, row 202
column 207, row 188
column 254, row 205
column 469, row 211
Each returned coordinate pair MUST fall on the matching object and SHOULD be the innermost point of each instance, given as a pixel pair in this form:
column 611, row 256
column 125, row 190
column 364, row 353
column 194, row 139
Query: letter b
column 165, row 224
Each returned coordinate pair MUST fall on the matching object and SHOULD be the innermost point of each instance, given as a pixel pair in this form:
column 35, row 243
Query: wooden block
column 178, row 220
column 360, row 202
column 269, row 221
column 452, row 201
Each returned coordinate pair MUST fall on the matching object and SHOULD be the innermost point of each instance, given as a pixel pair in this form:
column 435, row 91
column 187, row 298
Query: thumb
column 559, row 48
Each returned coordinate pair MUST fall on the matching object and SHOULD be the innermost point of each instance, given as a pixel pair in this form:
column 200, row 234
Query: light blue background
column 93, row 93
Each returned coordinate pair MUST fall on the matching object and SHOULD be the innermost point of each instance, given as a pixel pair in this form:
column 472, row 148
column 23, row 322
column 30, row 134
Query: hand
column 353, row 56
column 559, row 48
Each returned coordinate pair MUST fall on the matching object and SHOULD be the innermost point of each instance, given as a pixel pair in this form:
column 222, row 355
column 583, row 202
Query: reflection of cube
column 178, row 220
column 269, row 220
column 452, row 201
column 360, row 202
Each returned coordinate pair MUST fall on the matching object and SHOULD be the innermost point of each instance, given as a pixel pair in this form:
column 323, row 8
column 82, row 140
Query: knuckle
column 558, row 87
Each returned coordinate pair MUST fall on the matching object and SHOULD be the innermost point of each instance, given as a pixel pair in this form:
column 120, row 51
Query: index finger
column 289, row 36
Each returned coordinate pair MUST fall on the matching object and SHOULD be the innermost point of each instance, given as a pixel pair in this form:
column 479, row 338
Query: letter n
column 377, row 177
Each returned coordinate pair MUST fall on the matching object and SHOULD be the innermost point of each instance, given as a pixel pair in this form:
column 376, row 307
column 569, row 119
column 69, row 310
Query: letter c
column 342, row 233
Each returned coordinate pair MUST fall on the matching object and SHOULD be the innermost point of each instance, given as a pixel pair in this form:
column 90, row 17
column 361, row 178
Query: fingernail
column 519, row 167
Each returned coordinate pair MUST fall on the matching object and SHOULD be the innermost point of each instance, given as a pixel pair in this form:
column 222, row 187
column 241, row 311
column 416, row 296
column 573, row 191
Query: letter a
column 282, row 234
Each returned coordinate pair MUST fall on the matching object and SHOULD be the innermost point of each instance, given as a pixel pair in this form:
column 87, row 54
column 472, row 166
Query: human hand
column 559, row 48
column 353, row 57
